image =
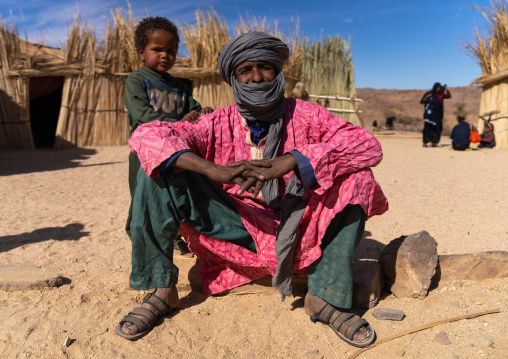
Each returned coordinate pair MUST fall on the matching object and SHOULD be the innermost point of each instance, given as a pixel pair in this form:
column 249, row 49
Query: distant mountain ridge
column 379, row 104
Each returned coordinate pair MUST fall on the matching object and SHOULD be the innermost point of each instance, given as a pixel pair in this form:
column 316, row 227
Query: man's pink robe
column 339, row 152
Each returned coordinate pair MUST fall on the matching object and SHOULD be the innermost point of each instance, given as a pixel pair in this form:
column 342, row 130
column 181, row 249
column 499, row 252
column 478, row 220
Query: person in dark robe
column 433, row 113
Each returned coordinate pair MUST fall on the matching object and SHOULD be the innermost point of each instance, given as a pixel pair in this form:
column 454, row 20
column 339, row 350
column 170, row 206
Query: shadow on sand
column 71, row 232
column 13, row 162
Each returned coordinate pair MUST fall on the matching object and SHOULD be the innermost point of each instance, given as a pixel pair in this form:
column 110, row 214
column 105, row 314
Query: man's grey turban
column 251, row 46
column 263, row 101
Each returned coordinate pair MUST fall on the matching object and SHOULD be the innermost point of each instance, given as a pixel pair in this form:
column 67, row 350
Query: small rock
column 314, row 354
column 442, row 338
column 67, row 342
column 388, row 314
column 486, row 340
column 455, row 304
column 400, row 352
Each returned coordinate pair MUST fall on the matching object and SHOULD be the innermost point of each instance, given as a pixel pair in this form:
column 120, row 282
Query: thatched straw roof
column 491, row 49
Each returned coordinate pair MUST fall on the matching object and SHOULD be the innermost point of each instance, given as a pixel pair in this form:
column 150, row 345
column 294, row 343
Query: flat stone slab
column 23, row 276
column 259, row 285
column 473, row 266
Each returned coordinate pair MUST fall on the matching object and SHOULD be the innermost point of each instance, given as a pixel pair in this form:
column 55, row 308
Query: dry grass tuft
column 205, row 39
column 491, row 49
column 328, row 70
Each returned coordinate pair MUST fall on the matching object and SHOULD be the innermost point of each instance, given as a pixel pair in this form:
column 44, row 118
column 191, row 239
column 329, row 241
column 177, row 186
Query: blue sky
column 395, row 44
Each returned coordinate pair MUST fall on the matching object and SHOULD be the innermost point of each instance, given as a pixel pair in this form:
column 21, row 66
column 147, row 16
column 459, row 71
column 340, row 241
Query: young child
column 153, row 94
column 488, row 138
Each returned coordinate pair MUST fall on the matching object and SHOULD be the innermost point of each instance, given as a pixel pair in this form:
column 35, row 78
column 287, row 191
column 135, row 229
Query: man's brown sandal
column 326, row 313
column 151, row 317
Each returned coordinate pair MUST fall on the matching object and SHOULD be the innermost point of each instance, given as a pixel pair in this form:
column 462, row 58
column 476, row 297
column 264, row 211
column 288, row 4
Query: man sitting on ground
column 267, row 186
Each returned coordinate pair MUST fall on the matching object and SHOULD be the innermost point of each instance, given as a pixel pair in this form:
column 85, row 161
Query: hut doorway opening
column 45, row 102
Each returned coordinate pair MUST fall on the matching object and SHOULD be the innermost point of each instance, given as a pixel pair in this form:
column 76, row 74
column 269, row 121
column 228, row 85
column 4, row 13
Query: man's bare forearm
column 192, row 162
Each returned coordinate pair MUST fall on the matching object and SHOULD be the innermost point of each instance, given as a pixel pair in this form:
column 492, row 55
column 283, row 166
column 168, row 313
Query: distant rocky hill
column 405, row 106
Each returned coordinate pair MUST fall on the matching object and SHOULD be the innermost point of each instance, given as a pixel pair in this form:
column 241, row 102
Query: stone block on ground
column 193, row 283
column 473, row 266
column 388, row 314
column 408, row 264
column 25, row 276
column 265, row 285
column 366, row 283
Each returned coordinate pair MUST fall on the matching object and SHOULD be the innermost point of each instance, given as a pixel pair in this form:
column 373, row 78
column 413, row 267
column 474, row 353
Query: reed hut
column 62, row 98
column 66, row 98
column 328, row 75
column 75, row 97
column 491, row 52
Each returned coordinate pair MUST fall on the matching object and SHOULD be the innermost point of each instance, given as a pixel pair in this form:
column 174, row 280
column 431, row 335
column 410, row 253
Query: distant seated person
column 389, row 123
column 488, row 138
column 460, row 135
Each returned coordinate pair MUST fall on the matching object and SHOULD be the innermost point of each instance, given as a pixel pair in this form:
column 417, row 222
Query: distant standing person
column 460, row 135
column 433, row 113
column 389, row 123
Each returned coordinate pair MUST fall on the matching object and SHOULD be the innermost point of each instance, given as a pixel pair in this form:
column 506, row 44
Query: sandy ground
column 65, row 211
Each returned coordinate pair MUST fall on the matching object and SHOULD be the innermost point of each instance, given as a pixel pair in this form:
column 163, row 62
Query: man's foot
column 347, row 331
column 434, row 145
column 425, row 145
column 161, row 302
